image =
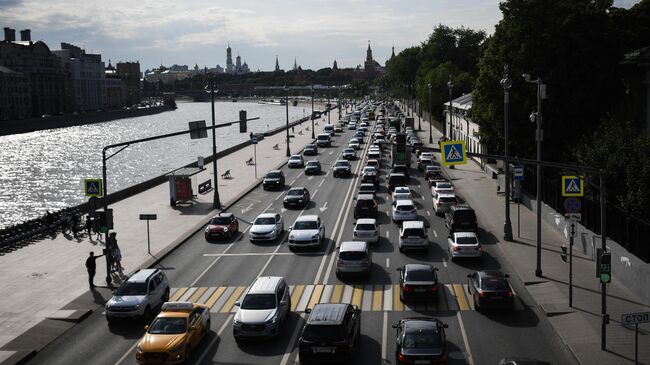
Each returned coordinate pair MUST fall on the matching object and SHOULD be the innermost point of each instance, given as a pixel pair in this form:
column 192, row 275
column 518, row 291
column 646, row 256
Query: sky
column 188, row 32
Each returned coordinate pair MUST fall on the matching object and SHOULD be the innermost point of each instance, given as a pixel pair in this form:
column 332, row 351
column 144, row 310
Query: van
column 353, row 257
column 461, row 218
column 323, row 140
column 413, row 235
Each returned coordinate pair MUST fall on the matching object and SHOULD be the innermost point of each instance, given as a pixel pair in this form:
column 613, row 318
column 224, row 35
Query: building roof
column 463, row 102
column 6, row 70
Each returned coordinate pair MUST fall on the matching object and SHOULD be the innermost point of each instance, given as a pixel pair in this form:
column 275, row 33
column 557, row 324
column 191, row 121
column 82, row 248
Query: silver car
column 413, row 235
column 404, row 210
column 464, row 244
column 366, row 229
column 266, row 227
column 442, row 200
column 354, row 257
column 263, row 308
column 138, row 296
column 307, row 231
column 296, row 161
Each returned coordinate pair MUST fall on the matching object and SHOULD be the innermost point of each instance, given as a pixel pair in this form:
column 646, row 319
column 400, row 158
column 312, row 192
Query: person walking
column 117, row 258
column 89, row 226
column 91, row 267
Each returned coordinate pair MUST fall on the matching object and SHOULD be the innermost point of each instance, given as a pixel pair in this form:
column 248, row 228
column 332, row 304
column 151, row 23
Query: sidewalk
column 578, row 327
column 39, row 280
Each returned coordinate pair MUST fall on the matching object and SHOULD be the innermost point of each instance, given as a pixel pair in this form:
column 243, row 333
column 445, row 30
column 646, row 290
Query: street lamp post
column 216, row 202
column 506, row 83
column 286, row 96
column 539, row 137
column 430, row 116
column 312, row 113
column 450, row 85
column 329, row 107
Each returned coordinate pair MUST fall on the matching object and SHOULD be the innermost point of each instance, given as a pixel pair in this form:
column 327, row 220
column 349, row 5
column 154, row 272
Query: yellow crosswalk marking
column 197, row 294
column 336, row 295
column 315, row 296
column 230, row 303
column 179, row 293
column 295, row 296
column 397, row 304
column 215, row 296
column 357, row 295
column 377, row 298
column 460, row 297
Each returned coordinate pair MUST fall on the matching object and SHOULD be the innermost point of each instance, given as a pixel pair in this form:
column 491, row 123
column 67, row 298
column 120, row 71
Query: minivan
column 413, row 235
column 461, row 218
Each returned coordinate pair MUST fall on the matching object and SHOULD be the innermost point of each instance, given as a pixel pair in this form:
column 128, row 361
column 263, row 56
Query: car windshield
column 424, row 339
column 264, row 221
column 443, row 186
column 348, row 150
column 323, row 137
column 312, row 163
column 295, row 158
column 132, row 289
column 273, row 175
column 305, row 225
column 419, row 275
column 295, row 192
column 447, row 199
column 258, row 301
column 402, row 190
column 414, row 232
column 323, row 332
column 494, row 284
column 369, row 170
column 365, row 203
column 466, row 240
column 220, row 221
column 366, row 227
column 342, row 163
column 168, row 326
column 364, row 187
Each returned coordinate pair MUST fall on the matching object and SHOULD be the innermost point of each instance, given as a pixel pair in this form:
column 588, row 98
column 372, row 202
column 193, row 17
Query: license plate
column 422, row 362
column 496, row 298
column 324, row 350
column 420, row 290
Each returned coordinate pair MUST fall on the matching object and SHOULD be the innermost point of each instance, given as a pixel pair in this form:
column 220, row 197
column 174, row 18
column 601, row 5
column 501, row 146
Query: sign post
column 635, row 318
column 254, row 142
column 148, row 217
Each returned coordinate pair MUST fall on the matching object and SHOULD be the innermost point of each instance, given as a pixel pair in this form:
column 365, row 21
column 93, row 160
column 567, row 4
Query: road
column 217, row 273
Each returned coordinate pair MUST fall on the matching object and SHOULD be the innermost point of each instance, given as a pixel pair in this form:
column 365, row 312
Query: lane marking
column 230, row 245
column 384, row 339
column 269, row 259
column 429, row 213
column 321, row 183
column 295, row 296
column 318, row 253
column 460, row 297
column 377, row 298
column 197, row 294
column 435, row 234
column 213, row 299
column 387, row 234
column 230, row 303
column 387, row 262
column 214, row 339
column 470, row 359
column 357, row 295
column 388, row 297
column 444, row 262
column 315, row 296
column 268, row 207
column 179, row 293
column 278, row 197
column 336, row 295
column 119, row 361
column 292, row 342
column 397, row 303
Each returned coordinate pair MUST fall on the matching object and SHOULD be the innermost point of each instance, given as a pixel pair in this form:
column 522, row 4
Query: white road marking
column 230, row 245
column 291, row 349
column 243, row 211
column 323, row 208
column 270, row 258
column 387, row 262
column 214, row 340
column 387, row 234
column 435, row 234
column 384, row 339
column 321, row 183
column 318, row 253
column 268, row 207
column 429, row 213
column 312, row 196
column 470, row 360
column 311, row 177
column 128, row 352
column 278, row 197
column 444, row 262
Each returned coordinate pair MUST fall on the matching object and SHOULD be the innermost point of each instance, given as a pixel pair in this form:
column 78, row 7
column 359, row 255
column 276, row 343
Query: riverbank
column 69, row 120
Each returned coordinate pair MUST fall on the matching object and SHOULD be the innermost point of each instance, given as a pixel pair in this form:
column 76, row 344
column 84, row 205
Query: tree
column 403, row 68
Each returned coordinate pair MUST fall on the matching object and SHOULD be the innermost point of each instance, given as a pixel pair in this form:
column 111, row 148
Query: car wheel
column 165, row 297
column 206, row 330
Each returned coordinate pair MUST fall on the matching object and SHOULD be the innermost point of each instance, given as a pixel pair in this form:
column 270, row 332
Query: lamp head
column 429, row 85
column 533, row 117
column 526, row 77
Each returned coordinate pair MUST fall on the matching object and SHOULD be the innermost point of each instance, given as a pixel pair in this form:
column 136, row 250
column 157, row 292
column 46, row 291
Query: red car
column 223, row 225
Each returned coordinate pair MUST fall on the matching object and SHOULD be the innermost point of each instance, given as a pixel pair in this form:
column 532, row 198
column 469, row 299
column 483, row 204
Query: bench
column 300, row 133
column 276, row 147
column 226, row 175
column 250, row 161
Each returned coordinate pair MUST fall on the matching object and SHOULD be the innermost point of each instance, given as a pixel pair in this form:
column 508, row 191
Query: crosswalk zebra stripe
column 366, row 298
column 460, row 297
column 224, row 297
column 177, row 294
column 470, row 299
column 229, row 306
column 398, row 305
column 357, row 295
column 296, row 293
column 315, row 297
column 388, row 297
column 187, row 294
column 302, row 305
column 327, row 294
column 347, row 294
column 215, row 296
column 377, row 296
column 197, row 294
column 208, row 293
column 451, row 298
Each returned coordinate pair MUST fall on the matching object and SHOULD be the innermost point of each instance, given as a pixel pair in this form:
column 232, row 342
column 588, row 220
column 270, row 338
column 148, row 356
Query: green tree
column 403, row 68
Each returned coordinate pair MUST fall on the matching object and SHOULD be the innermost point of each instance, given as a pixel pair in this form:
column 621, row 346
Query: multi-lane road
column 218, row 273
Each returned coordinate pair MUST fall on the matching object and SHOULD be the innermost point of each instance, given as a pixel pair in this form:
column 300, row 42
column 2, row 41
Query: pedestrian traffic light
column 563, row 255
column 242, row 121
column 606, row 267
column 105, row 219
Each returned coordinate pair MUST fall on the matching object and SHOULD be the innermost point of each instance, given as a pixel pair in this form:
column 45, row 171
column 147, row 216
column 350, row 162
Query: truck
column 400, row 151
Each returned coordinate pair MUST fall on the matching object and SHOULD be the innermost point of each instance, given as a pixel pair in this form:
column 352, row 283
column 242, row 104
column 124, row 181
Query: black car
column 365, row 206
column 310, row 150
column 490, row 289
column 273, row 179
column 420, row 340
column 403, row 169
column 461, row 218
column 331, row 333
column 296, row 197
column 342, row 168
column 396, row 179
column 418, row 282
column 312, row 168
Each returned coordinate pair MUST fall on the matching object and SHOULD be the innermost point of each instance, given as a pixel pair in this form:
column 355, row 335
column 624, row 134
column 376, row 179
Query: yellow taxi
column 170, row 338
column 338, row 129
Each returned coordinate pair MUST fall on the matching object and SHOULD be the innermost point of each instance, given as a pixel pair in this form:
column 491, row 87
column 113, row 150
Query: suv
column 331, row 331
column 138, row 296
column 265, row 306
column 295, row 161
column 460, row 218
column 323, row 140
column 401, row 169
column 366, row 229
column 396, row 179
column 354, row 257
column 222, row 225
column 273, row 179
column 310, row 150
column 442, row 201
column 307, row 231
column 413, row 235
column 365, row 206
column 369, row 175
column 342, row 168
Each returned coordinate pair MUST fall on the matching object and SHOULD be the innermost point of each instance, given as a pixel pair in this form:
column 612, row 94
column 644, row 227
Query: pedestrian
column 91, row 266
column 96, row 229
column 74, row 225
column 117, row 258
column 89, row 225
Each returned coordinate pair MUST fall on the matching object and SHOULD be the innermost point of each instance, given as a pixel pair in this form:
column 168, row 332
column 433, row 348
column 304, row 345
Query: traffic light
column 105, row 219
column 242, row 121
column 563, row 255
column 606, row 267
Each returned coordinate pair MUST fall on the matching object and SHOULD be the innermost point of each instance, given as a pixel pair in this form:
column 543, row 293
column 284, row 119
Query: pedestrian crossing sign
column 572, row 186
column 453, row 153
column 93, row 187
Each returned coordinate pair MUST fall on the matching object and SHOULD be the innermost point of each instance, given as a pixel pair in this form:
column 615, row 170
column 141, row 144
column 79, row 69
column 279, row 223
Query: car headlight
column 299, row 200
column 236, row 322
column 225, row 229
column 272, row 320
column 179, row 347
column 138, row 349
column 315, row 236
column 207, row 229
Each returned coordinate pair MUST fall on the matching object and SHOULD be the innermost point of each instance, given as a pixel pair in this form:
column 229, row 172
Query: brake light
column 339, row 263
column 434, row 288
column 365, row 263
column 343, row 343
column 478, row 248
column 456, row 248
column 510, row 293
column 481, row 294
column 403, row 358
column 406, row 288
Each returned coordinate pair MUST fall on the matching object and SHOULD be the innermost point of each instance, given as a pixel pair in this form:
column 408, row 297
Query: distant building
column 459, row 124
column 39, row 67
column 336, row 66
column 166, row 75
column 86, row 75
column 277, row 64
column 295, row 65
column 130, row 73
column 15, row 95
column 230, row 68
column 115, row 88
column 370, row 66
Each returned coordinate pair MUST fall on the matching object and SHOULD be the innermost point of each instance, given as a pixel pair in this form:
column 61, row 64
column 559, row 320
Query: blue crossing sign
column 453, row 153
column 572, row 186
column 93, row 187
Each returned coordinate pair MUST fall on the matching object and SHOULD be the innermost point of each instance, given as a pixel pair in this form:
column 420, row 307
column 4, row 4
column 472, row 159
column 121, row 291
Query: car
column 222, row 225
column 464, row 244
column 368, row 188
column 374, row 154
column 396, row 179
column 359, row 134
column 338, row 129
column 296, row 196
column 266, row 227
column 442, row 186
column 367, row 230
column 306, row 231
column 352, row 125
column 404, row 210
column 349, row 154
column 403, row 169
column 312, row 168
column 432, row 170
column 427, row 155
column 442, row 201
column 342, row 168
column 354, row 143
column 461, row 218
column 374, row 163
column 265, row 306
column 170, row 338
column 418, row 282
column 420, row 340
column 310, row 150
column 273, row 179
column 365, row 206
column 402, row 192
column 353, row 257
column 323, row 140
column 413, row 235
column 423, row 162
column 329, row 129
column 331, row 332
column 369, row 175
column 433, row 180
column 295, row 161
column 490, row 289
column 139, row 296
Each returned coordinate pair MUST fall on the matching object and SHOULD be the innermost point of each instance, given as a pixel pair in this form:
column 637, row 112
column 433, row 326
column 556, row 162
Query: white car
column 402, row 192
column 374, row 163
column 442, row 186
column 296, row 161
column 307, row 231
column 374, row 154
column 428, row 155
column 442, row 200
column 367, row 230
column 404, row 210
column 266, row 227
column 464, row 244
column 354, row 143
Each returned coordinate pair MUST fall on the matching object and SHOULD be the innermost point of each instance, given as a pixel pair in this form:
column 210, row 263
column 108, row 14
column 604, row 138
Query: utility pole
column 216, row 202
column 430, row 115
column 313, row 136
column 506, row 83
column 286, row 95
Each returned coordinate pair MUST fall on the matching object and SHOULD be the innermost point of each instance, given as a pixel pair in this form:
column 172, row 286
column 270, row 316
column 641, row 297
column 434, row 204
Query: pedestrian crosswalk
column 370, row 298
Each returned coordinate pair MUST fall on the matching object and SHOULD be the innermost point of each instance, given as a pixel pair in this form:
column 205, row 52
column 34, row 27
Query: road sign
column 93, row 187
column 572, row 186
column 453, row 153
column 519, row 173
column 254, row 140
column 148, row 217
column 573, row 228
column 634, row 318
column 572, row 205
column 576, row 217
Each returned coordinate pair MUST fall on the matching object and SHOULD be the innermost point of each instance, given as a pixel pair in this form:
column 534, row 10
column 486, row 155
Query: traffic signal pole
column 603, row 247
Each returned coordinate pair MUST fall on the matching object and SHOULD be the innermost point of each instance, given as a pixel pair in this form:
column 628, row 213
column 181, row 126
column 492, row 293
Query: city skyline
column 313, row 32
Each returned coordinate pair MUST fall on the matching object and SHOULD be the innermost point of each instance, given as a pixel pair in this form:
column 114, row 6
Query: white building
column 460, row 126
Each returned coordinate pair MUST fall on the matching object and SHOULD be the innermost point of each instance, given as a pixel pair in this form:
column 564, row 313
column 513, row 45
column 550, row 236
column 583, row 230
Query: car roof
column 404, row 202
column 348, row 246
column 142, row 275
column 465, row 234
column 365, row 196
column 418, row 267
column 367, row 221
column 420, row 323
column 327, row 313
column 490, row 274
column 402, row 188
column 266, row 215
column 224, row 215
column 264, row 285
column 412, row 224
column 297, row 188
column 295, row 156
column 271, row 171
column 461, row 207
column 446, row 194
column 307, row 218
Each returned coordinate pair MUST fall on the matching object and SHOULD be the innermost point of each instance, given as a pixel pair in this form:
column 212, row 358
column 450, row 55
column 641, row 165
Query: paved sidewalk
column 579, row 326
column 39, row 280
